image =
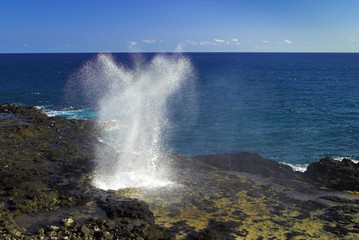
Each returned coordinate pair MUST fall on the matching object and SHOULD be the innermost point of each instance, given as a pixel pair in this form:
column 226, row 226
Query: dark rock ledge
column 46, row 166
column 329, row 173
column 338, row 175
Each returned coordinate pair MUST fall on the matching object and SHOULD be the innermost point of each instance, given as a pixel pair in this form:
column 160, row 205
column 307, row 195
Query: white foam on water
column 298, row 167
column 340, row 158
column 69, row 113
column 137, row 100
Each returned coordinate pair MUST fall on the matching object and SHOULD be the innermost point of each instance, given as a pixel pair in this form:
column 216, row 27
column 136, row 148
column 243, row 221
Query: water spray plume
column 136, row 101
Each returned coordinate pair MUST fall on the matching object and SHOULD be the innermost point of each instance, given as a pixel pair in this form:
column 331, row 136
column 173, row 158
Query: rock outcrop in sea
column 47, row 163
column 338, row 175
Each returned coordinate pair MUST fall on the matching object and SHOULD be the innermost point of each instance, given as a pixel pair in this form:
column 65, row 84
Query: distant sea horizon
column 171, row 52
column 293, row 107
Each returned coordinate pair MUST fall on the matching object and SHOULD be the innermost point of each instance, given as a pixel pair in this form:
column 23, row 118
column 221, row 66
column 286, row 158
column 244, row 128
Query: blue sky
column 185, row 25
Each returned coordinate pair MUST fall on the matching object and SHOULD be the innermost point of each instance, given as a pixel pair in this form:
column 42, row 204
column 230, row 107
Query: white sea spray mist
column 136, row 101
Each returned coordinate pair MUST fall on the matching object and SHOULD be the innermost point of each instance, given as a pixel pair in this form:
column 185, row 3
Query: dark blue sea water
column 291, row 107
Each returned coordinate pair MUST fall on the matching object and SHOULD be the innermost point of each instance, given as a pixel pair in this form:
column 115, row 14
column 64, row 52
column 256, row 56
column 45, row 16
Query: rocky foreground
column 46, row 166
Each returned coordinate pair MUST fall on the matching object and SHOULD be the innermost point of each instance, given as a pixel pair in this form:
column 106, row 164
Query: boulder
column 338, row 175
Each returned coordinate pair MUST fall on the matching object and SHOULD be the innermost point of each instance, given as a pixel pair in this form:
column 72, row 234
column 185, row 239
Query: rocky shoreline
column 46, row 166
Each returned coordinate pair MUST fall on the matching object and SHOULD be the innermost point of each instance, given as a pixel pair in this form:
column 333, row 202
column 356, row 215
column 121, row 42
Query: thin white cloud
column 150, row 41
column 132, row 43
column 205, row 43
column 215, row 41
column 265, row 41
column 219, row 40
column 288, row 42
column 238, row 44
column 352, row 40
column 202, row 43
column 25, row 45
column 191, row 42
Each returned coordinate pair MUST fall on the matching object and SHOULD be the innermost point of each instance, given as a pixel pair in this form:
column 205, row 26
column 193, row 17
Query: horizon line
column 109, row 52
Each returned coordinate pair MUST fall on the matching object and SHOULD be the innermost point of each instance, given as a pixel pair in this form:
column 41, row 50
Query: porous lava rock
column 126, row 208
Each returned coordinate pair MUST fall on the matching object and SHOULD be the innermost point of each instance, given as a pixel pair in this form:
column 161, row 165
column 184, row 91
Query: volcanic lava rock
column 126, row 208
column 42, row 161
column 101, row 229
column 338, row 175
column 217, row 230
column 30, row 112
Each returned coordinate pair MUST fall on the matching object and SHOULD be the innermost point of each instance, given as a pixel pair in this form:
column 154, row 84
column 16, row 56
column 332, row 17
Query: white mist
column 136, row 101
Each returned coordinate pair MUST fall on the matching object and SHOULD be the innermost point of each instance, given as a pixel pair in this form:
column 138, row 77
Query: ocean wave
column 297, row 167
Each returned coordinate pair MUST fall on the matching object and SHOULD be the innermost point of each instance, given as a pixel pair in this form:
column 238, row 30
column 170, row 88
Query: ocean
column 290, row 107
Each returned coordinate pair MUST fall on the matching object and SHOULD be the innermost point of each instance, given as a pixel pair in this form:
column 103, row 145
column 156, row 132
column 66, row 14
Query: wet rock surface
column 46, row 167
